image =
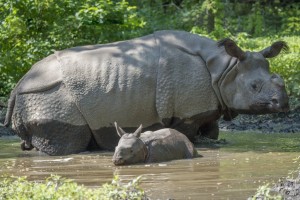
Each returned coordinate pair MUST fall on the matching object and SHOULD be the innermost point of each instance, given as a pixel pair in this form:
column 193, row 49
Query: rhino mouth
column 278, row 108
column 118, row 161
column 267, row 108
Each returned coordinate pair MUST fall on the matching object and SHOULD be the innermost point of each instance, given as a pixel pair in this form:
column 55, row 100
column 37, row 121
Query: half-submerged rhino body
column 68, row 101
column 148, row 147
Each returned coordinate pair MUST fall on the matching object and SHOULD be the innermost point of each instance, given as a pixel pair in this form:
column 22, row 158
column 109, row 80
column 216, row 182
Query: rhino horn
column 232, row 49
column 138, row 131
column 120, row 131
column 274, row 49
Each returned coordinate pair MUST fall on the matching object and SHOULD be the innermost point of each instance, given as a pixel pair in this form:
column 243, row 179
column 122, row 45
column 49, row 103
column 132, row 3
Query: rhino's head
column 131, row 149
column 249, row 87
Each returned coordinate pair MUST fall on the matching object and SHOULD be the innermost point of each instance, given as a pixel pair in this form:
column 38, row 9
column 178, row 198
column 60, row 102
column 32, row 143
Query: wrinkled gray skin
column 148, row 147
column 68, row 101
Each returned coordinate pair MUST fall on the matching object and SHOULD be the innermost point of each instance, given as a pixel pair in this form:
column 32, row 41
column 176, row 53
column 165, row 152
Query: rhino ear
column 120, row 131
column 138, row 131
column 232, row 49
column 274, row 49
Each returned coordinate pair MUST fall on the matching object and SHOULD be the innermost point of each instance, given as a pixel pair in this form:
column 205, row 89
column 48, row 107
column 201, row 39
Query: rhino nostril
column 118, row 160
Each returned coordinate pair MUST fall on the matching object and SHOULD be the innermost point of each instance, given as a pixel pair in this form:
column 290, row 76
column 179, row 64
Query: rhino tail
column 10, row 108
column 11, row 103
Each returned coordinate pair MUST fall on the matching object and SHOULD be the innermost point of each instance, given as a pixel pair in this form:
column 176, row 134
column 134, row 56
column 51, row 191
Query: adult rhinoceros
column 69, row 100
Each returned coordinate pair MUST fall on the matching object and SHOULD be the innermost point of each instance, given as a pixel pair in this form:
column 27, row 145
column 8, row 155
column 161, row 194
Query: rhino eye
column 254, row 86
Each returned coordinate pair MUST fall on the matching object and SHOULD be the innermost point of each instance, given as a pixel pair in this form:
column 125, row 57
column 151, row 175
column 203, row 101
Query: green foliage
column 31, row 30
column 243, row 141
column 255, row 20
column 117, row 190
column 56, row 187
column 264, row 192
column 203, row 14
column 286, row 188
column 291, row 19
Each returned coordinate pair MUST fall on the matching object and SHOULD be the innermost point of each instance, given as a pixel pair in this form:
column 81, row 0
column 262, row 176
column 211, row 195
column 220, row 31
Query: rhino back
column 42, row 76
column 109, row 81
column 167, row 144
column 184, row 86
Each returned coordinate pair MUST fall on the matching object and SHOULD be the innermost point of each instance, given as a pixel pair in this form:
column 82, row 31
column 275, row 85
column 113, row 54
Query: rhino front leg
column 210, row 130
column 26, row 145
column 187, row 128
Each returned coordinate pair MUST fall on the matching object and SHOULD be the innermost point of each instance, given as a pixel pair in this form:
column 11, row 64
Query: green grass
column 249, row 141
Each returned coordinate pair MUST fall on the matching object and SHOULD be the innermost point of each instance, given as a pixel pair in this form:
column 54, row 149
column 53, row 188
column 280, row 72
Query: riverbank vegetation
column 261, row 142
column 31, row 30
column 56, row 187
column 285, row 188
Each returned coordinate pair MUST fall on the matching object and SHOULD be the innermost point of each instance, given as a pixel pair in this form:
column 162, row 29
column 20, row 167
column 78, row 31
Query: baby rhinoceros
column 158, row 146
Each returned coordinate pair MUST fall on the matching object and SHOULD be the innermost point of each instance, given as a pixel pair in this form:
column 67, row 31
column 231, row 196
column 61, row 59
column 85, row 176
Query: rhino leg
column 190, row 130
column 210, row 130
column 51, row 122
column 56, row 138
column 106, row 138
column 26, row 145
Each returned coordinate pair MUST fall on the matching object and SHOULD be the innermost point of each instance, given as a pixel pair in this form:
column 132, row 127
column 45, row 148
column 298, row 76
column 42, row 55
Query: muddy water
column 219, row 174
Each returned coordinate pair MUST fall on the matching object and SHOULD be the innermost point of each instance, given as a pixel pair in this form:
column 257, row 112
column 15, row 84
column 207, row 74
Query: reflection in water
column 219, row 174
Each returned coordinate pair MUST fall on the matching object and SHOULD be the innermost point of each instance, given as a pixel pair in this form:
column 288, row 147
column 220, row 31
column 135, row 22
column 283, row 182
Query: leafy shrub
column 265, row 192
column 286, row 188
column 56, row 187
column 31, row 30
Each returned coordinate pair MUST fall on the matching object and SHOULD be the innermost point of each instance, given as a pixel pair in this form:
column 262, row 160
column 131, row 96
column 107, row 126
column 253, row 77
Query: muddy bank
column 286, row 188
column 288, row 122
